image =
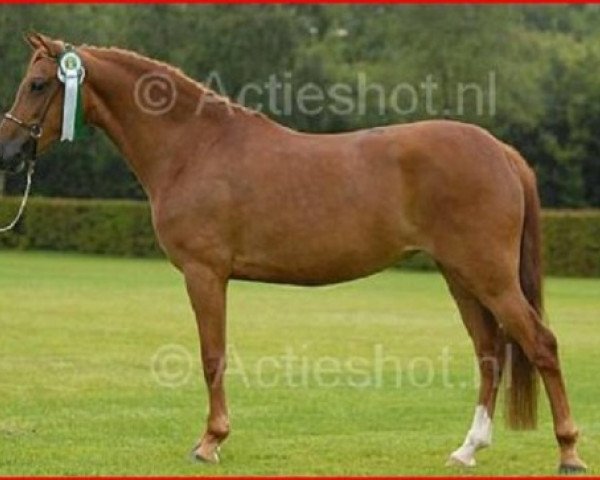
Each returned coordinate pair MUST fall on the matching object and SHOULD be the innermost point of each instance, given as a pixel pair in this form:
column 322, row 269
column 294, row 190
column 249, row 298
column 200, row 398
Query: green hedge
column 571, row 238
column 111, row 227
column 572, row 243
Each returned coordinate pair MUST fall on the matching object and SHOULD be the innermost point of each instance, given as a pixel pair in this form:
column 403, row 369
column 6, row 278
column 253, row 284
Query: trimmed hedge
column 572, row 243
column 124, row 228
column 112, row 227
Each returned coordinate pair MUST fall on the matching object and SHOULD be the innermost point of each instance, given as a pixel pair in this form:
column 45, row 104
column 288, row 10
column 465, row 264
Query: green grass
column 78, row 394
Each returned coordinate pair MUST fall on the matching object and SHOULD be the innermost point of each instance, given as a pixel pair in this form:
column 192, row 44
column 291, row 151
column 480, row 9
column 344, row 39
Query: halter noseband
column 35, row 129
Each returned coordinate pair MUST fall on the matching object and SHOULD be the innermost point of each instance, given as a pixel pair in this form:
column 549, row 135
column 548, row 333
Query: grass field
column 89, row 384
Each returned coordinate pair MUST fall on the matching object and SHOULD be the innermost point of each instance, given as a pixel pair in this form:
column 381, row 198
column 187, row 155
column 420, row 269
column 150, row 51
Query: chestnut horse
column 234, row 195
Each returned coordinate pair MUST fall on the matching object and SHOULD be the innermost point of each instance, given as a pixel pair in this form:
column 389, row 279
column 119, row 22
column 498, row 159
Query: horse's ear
column 38, row 41
column 35, row 40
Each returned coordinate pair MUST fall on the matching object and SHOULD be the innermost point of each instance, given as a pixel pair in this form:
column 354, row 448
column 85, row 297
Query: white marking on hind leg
column 479, row 436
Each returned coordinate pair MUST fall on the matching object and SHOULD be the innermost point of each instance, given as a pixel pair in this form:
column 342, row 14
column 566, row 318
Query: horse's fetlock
column 567, row 435
column 480, row 438
column 219, row 428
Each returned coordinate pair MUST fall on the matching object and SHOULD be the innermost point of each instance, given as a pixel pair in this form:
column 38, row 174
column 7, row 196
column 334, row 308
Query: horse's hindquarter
column 323, row 208
column 467, row 199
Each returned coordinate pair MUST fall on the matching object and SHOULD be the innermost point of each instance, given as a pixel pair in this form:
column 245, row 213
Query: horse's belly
column 332, row 221
column 322, row 260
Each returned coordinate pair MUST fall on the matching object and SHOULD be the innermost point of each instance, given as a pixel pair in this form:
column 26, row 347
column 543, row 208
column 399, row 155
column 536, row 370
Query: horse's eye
column 38, row 85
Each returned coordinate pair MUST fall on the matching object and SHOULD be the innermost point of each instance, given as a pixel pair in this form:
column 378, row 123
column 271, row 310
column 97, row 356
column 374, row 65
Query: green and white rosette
column 72, row 74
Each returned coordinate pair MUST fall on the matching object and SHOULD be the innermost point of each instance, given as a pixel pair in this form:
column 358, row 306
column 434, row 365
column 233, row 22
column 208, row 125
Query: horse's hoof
column 457, row 461
column 201, row 455
column 198, row 457
column 565, row 469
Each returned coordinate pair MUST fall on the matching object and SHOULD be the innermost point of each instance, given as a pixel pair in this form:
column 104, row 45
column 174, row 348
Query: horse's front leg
column 207, row 291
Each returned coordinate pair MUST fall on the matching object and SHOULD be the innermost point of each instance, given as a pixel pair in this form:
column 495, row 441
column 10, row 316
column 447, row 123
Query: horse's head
column 35, row 118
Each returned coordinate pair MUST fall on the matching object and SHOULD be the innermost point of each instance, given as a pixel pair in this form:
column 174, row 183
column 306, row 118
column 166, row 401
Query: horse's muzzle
column 13, row 155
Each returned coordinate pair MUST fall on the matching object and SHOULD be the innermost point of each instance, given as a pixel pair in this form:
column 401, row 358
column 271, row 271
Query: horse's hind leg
column 494, row 279
column 489, row 347
column 524, row 325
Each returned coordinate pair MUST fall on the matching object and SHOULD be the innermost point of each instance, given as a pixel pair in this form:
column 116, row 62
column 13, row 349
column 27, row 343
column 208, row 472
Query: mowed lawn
column 370, row 377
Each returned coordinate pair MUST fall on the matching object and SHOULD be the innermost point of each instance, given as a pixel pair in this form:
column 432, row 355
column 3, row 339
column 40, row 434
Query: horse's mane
column 177, row 73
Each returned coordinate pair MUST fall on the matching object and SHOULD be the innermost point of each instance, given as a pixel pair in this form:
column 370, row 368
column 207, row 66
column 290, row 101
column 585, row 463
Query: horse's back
column 337, row 207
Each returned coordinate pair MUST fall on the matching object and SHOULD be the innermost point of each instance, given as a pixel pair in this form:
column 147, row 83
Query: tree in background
column 543, row 59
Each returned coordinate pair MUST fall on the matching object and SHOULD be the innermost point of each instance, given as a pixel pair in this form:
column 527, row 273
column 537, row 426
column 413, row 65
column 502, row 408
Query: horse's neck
column 152, row 140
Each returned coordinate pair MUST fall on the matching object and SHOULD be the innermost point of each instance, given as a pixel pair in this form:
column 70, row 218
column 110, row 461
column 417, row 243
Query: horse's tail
column 522, row 377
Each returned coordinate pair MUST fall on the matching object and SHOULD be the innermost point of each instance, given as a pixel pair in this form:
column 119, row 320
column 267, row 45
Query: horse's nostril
column 10, row 149
column 10, row 155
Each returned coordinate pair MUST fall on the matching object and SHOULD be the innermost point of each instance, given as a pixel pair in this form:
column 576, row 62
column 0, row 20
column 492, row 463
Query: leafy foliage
column 543, row 59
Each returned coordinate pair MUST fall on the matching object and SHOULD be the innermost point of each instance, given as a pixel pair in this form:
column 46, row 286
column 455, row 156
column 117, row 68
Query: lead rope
column 13, row 224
